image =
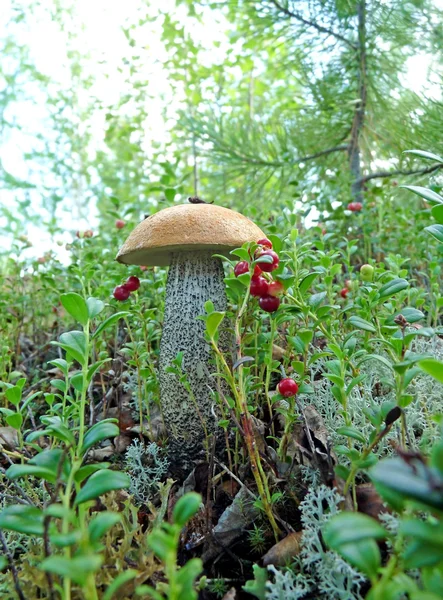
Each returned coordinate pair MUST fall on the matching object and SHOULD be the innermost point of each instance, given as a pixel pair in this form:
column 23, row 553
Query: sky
column 97, row 27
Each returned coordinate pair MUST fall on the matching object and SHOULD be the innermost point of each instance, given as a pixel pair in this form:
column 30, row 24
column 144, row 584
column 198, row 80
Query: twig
column 12, row 566
column 313, row 24
column 384, row 174
column 241, row 484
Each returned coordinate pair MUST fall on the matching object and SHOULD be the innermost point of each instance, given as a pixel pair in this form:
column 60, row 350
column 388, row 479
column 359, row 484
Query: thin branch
column 309, row 23
column 384, row 174
column 264, row 163
column 12, row 566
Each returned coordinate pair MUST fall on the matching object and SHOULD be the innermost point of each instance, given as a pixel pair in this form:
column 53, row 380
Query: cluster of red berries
column 287, row 387
column 122, row 292
column 355, row 206
column 268, row 291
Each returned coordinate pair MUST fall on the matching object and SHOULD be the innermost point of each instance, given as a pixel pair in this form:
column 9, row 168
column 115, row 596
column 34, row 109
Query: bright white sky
column 97, row 27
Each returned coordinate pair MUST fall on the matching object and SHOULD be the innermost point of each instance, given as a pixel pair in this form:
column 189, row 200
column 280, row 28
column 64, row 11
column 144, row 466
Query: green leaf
column 306, row 282
column 84, row 472
column 348, row 528
column 425, row 193
column 74, row 343
column 77, row 569
column 170, row 194
column 15, row 420
column 3, row 562
column 433, row 367
column 352, row 432
column 94, row 368
column 436, row 231
column 95, row 306
column 110, row 321
column 395, row 478
column 213, row 322
column 14, row 395
column 360, row 323
column 437, row 213
column 412, row 315
column 101, row 482
column 98, row 432
column 241, row 253
column 77, row 382
column 425, row 154
column 121, row 579
column 76, row 306
column 101, row 524
column 392, row 287
column 363, row 554
column 186, row 507
column 16, row 471
column 22, row 519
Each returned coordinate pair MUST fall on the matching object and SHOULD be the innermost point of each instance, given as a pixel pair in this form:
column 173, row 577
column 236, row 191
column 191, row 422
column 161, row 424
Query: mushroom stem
column 194, row 278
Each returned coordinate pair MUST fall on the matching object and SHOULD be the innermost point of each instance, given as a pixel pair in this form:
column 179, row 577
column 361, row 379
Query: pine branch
column 277, row 164
column 385, row 174
column 313, row 24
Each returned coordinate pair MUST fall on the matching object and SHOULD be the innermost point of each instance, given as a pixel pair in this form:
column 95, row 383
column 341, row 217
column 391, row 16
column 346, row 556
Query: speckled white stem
column 194, row 278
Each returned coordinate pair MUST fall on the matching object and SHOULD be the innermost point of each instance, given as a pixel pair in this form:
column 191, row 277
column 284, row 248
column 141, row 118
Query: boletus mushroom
column 185, row 237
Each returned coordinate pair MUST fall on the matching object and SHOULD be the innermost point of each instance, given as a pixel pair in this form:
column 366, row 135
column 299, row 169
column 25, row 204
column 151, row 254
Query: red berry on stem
column 287, row 387
column 121, row 293
column 257, row 271
column 355, row 206
column 344, row 292
column 265, row 243
column 269, row 303
column 241, row 267
column 132, row 284
column 275, row 288
column 120, row 223
column 269, row 267
column 259, row 286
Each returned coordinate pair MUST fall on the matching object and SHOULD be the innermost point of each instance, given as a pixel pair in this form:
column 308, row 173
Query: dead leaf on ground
column 284, row 551
column 8, row 437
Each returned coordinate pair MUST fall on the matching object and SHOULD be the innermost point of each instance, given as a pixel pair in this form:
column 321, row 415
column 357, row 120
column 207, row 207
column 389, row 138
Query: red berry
column 143, row 268
column 268, row 267
column 275, row 288
column 287, row 387
column 269, row 303
column 121, row 293
column 344, row 292
column 132, row 284
column 257, row 271
column 120, row 223
column 88, row 234
column 355, row 206
column 265, row 243
column 259, row 286
column 241, row 267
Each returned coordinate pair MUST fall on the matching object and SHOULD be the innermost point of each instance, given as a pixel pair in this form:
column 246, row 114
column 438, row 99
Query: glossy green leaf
column 306, row 282
column 186, row 507
column 425, row 154
column 101, row 482
column 437, row 213
column 433, row 367
column 101, row 524
column 360, row 323
column 213, row 322
column 436, row 231
column 98, row 432
column 76, row 306
column 121, row 579
column 95, row 306
column 392, row 287
column 352, row 432
column 22, row 519
column 73, row 342
column 425, row 193
column 77, row 568
column 112, row 320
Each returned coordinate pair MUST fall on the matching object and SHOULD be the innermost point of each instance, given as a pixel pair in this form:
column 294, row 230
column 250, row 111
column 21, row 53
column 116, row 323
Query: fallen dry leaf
column 283, row 552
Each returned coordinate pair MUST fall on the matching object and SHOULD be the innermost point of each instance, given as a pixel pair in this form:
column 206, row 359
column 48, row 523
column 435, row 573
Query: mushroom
column 185, row 237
